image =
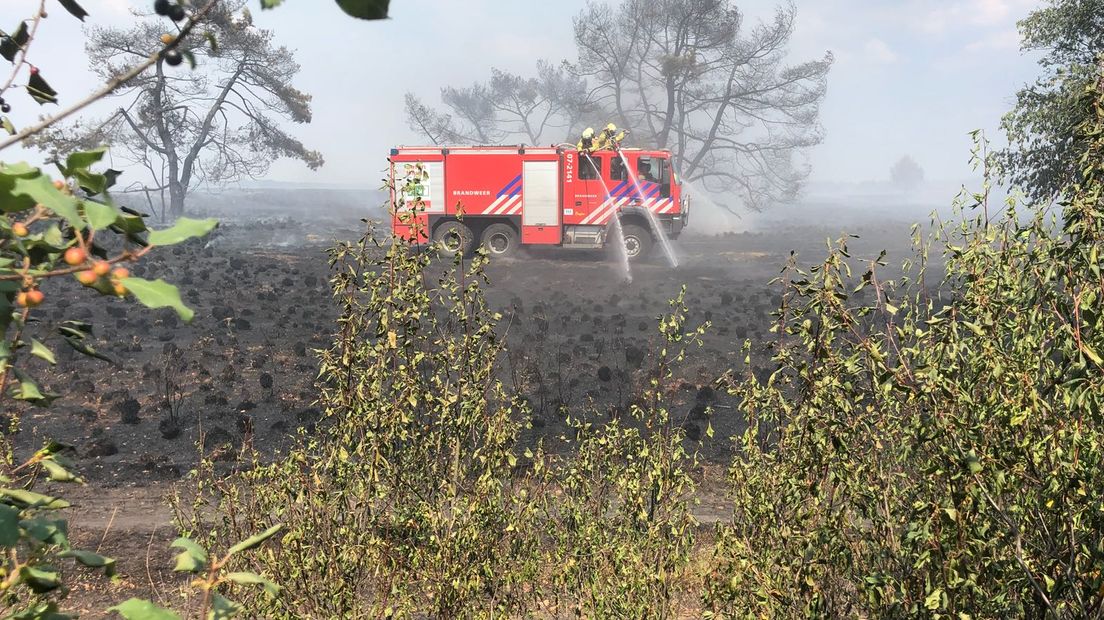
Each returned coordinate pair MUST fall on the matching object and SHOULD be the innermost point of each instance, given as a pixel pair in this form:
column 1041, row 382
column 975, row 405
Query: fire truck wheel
column 500, row 240
column 453, row 238
column 638, row 241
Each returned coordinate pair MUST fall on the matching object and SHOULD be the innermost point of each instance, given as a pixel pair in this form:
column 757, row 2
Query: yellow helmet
column 588, row 132
column 611, row 127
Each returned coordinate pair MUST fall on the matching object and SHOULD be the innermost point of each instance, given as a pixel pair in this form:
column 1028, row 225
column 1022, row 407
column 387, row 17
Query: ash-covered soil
column 580, row 336
column 244, row 370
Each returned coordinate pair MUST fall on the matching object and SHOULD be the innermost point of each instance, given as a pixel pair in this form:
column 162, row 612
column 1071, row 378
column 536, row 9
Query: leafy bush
column 920, row 456
column 412, row 498
column 402, row 500
column 617, row 516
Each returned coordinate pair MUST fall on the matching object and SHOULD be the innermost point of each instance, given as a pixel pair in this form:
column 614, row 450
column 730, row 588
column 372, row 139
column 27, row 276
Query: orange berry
column 101, row 268
column 59, row 184
column 29, row 299
column 120, row 272
column 119, row 289
column 167, row 38
column 20, row 229
column 75, row 256
column 87, row 277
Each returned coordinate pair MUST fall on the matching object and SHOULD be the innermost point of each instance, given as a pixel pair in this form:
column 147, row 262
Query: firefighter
column 610, row 138
column 586, row 143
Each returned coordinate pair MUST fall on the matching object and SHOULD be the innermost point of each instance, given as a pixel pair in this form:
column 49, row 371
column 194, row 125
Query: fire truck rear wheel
column 453, row 238
column 638, row 241
column 500, row 240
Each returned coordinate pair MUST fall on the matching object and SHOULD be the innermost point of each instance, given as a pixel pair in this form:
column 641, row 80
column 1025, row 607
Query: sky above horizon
column 911, row 77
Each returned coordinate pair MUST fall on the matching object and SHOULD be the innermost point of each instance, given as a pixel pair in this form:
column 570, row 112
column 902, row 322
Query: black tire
column 638, row 241
column 500, row 240
column 453, row 238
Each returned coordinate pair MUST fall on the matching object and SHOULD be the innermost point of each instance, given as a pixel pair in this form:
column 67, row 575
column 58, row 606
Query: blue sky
column 911, row 76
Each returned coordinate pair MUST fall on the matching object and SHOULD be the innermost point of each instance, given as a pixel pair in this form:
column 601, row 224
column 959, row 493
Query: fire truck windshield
column 654, row 170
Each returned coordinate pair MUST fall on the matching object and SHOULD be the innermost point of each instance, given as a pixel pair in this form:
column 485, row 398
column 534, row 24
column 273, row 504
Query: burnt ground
column 244, row 368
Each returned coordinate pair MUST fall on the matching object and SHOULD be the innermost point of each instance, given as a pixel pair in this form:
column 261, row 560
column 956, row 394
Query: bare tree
column 547, row 107
column 681, row 74
column 214, row 124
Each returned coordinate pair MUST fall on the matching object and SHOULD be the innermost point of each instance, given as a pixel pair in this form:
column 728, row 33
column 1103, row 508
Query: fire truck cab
column 505, row 197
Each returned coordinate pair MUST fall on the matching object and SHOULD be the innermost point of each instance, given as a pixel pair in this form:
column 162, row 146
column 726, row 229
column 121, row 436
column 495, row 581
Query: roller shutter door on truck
column 540, row 220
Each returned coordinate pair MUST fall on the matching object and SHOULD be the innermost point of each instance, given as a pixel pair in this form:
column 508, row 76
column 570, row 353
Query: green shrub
column 403, row 500
column 411, row 496
column 920, row 456
column 617, row 511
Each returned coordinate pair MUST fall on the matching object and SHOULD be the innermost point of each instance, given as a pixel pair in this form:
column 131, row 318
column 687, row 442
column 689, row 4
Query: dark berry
column 176, row 13
column 173, row 57
column 5, row 108
column 161, row 7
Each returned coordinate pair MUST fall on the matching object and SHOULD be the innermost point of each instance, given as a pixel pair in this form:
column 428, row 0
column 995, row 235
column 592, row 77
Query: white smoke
column 707, row 217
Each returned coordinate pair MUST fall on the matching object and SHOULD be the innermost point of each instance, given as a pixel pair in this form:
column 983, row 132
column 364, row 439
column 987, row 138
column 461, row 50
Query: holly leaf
column 248, row 578
column 85, row 349
column 10, row 45
column 84, row 159
column 42, row 351
column 28, row 388
column 91, row 560
column 40, row 580
column 9, row 526
column 158, row 294
column 255, row 540
column 74, row 9
column 192, row 558
column 138, row 609
column 99, row 215
column 39, row 188
column 40, row 90
column 111, row 175
column 365, row 9
column 57, row 472
column 90, row 182
column 30, row 499
column 185, row 228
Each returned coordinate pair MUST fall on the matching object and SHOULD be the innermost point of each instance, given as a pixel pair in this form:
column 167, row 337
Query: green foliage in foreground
column 414, row 497
column 933, row 457
column 415, row 490
column 912, row 455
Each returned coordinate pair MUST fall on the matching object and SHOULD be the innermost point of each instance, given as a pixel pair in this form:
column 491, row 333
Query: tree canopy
column 217, row 123
column 684, row 75
column 1043, row 146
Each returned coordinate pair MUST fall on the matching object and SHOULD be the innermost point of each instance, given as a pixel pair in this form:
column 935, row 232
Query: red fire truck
column 506, row 197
